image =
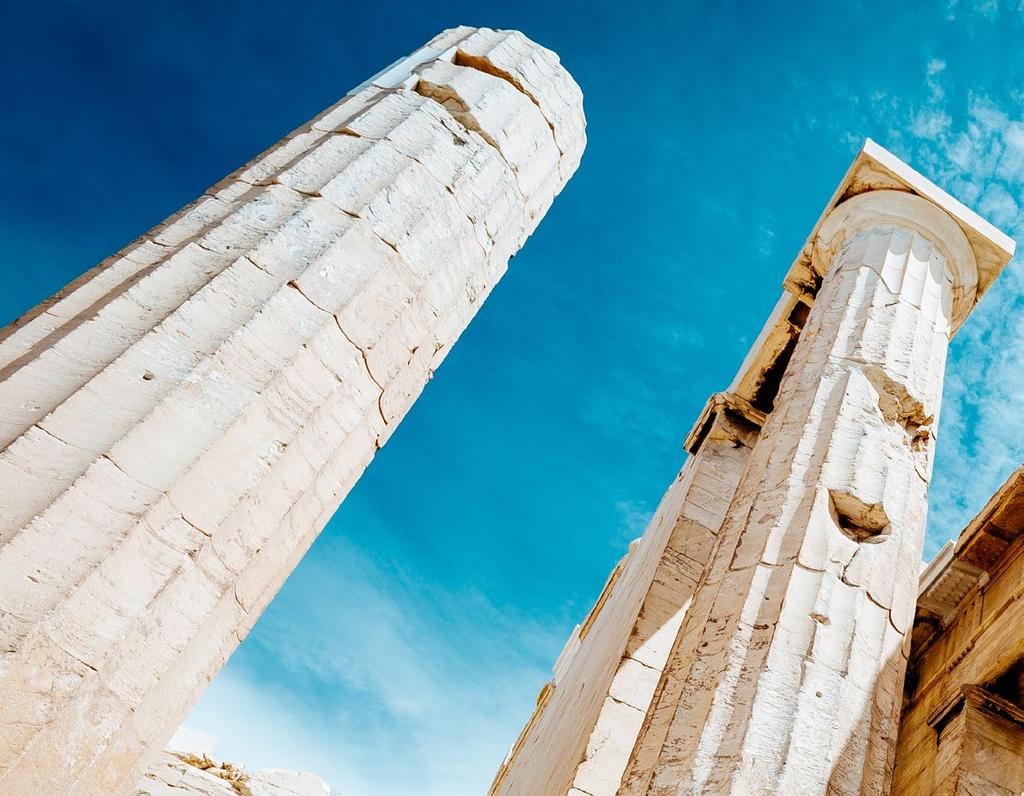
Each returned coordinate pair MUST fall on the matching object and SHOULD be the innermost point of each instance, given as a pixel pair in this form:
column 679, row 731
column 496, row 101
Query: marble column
column 178, row 425
column 695, row 505
column 587, row 718
column 786, row 674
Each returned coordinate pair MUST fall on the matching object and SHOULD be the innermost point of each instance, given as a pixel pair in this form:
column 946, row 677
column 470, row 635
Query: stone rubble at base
column 174, row 773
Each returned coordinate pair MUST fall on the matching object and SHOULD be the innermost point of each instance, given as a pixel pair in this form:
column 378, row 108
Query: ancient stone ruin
column 755, row 639
column 177, row 425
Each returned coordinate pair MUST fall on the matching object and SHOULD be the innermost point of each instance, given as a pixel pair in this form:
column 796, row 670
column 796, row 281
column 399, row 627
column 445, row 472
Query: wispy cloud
column 986, row 9
column 980, row 160
column 261, row 728
column 635, row 515
column 930, row 124
column 436, row 700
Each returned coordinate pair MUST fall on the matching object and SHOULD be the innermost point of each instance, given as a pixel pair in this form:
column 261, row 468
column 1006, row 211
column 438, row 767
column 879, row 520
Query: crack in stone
column 481, row 64
column 430, row 175
column 369, row 372
column 366, row 361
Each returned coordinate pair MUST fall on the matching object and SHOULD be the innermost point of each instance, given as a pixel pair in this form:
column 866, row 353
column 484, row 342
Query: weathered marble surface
column 786, row 676
column 178, row 425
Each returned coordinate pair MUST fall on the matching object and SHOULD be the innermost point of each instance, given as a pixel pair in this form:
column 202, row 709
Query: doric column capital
column 909, row 211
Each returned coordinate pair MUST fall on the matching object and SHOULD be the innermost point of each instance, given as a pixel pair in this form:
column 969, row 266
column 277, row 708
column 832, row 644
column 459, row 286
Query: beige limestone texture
column 177, row 425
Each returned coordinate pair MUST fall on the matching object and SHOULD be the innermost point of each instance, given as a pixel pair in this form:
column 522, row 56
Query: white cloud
column 766, row 238
column 635, row 514
column 981, row 439
column 378, row 683
column 987, row 9
column 930, row 124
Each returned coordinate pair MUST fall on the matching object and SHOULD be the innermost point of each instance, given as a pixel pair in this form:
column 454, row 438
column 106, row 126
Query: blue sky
column 406, row 650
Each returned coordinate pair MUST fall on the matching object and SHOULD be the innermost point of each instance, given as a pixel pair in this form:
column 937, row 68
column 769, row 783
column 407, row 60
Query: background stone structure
column 754, row 640
column 177, row 426
column 962, row 730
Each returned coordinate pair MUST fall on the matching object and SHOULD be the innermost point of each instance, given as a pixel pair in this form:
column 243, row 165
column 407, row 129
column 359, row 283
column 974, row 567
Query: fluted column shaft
column 587, row 718
column 786, row 674
column 684, row 530
column 178, row 425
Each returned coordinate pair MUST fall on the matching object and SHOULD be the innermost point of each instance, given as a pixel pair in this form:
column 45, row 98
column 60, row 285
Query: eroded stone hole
column 901, row 408
column 918, row 433
column 455, row 105
column 864, row 523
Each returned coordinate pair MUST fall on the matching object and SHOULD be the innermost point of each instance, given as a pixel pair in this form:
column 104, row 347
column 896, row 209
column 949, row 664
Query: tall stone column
column 696, row 505
column 177, row 426
column 786, row 675
column 580, row 737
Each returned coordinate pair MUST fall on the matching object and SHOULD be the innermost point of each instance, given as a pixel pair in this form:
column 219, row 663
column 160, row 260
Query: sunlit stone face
column 187, row 417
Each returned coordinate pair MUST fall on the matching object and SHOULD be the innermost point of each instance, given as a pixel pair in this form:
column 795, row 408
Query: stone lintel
column 1002, row 519
column 979, row 698
column 873, row 169
column 983, row 543
column 720, row 409
column 949, row 584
